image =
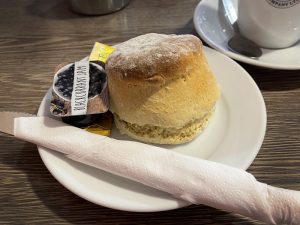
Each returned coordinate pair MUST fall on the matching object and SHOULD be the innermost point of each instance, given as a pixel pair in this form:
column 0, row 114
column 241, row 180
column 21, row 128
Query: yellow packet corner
column 97, row 129
column 100, row 52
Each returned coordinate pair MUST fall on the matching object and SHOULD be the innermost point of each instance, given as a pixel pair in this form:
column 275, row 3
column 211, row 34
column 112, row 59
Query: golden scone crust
column 161, row 80
column 152, row 57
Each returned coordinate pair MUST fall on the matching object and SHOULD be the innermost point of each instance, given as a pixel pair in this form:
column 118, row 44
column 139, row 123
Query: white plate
column 213, row 27
column 233, row 137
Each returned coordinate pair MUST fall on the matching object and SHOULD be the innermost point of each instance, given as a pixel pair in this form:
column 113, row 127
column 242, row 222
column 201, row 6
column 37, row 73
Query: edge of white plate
column 263, row 111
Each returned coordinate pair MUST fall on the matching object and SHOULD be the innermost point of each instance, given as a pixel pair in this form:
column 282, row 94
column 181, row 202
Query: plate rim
column 263, row 112
column 232, row 54
column 176, row 204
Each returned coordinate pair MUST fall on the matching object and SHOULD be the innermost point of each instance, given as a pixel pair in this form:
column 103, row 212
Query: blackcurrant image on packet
column 79, row 88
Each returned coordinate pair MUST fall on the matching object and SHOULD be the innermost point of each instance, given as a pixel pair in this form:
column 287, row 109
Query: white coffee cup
column 270, row 23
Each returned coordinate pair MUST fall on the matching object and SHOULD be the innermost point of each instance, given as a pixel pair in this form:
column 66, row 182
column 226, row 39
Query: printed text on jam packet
column 80, row 92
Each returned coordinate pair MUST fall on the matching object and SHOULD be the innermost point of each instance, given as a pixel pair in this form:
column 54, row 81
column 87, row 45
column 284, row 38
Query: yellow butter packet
column 102, row 126
column 97, row 129
column 100, row 52
column 95, row 123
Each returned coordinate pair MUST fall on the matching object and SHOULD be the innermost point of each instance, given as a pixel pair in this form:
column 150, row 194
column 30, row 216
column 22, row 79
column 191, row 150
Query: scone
column 161, row 88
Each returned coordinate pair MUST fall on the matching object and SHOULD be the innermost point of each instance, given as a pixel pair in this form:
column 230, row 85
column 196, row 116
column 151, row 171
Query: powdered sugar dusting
column 141, row 43
column 148, row 49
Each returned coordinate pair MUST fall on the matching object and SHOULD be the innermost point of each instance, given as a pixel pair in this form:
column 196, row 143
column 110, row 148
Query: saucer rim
column 235, row 55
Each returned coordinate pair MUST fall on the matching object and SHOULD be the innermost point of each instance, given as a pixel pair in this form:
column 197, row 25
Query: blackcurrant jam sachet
column 79, row 88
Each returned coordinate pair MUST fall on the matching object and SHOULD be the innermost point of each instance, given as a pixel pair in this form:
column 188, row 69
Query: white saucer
column 233, row 137
column 212, row 26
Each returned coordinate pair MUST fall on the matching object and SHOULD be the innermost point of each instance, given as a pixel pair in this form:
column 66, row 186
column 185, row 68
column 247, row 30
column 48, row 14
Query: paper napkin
column 195, row 180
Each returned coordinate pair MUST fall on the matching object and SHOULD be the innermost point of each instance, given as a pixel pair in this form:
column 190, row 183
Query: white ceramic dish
column 213, row 27
column 233, row 137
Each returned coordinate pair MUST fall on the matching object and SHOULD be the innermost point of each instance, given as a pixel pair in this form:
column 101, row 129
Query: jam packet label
column 80, row 92
column 79, row 88
column 100, row 52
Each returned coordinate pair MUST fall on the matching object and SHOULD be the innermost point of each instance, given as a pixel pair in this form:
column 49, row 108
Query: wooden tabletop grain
column 37, row 35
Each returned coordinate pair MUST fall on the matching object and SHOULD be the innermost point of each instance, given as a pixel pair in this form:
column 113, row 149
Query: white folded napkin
column 195, row 180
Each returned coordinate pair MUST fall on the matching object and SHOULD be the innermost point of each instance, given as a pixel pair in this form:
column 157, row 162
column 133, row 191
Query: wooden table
column 35, row 36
